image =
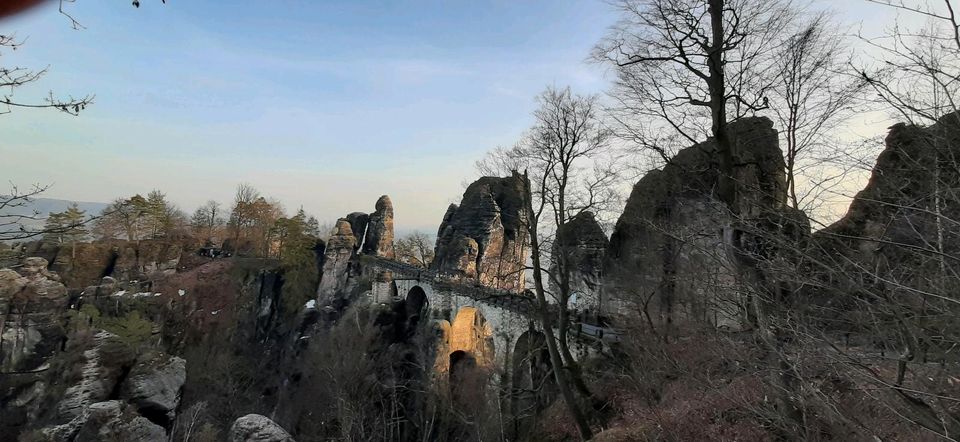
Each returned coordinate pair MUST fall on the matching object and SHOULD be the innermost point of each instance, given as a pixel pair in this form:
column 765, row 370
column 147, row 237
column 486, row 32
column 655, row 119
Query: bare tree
column 16, row 216
column 566, row 174
column 415, row 248
column 815, row 92
column 683, row 65
column 13, row 77
column 917, row 71
column 243, row 207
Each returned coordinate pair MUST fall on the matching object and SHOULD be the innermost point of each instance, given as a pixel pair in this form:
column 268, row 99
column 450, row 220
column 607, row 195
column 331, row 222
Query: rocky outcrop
column 582, row 245
column 109, row 420
column 915, row 177
column 149, row 394
column 83, row 264
column 379, row 237
column 154, row 384
column 358, row 223
column 142, row 259
column 257, row 428
column 484, row 238
column 667, row 253
column 899, row 230
column 31, row 305
column 336, row 264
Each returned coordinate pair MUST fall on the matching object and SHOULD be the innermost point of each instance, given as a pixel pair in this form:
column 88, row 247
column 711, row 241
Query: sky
column 324, row 105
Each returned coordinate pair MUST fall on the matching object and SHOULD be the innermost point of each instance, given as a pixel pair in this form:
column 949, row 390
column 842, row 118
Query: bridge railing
column 443, row 280
column 502, row 298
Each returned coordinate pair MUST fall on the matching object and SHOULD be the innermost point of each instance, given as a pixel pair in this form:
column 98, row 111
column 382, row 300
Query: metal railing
column 505, row 299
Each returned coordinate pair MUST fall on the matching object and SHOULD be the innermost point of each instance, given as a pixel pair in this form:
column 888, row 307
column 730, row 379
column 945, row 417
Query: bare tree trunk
column 716, row 82
column 546, row 323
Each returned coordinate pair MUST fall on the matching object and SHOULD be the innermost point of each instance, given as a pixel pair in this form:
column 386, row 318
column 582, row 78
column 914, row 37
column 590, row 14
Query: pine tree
column 66, row 227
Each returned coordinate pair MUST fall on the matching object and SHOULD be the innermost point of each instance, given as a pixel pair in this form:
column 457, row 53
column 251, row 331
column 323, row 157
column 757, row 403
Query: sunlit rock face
column 379, row 237
column 336, row 265
column 484, row 238
column 667, row 254
column 582, row 246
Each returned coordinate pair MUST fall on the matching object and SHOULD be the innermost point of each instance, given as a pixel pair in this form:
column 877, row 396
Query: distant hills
column 44, row 206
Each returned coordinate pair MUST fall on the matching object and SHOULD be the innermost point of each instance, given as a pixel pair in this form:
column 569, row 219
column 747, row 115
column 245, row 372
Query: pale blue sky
column 321, row 104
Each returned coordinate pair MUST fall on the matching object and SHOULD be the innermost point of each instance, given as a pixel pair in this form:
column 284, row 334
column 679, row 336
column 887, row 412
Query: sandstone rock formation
column 110, row 421
column 899, row 230
column 31, row 305
column 583, row 245
column 915, row 177
column 379, row 237
column 336, row 264
column 257, row 428
column 667, row 251
column 358, row 223
column 83, row 264
column 484, row 238
column 154, row 384
column 140, row 260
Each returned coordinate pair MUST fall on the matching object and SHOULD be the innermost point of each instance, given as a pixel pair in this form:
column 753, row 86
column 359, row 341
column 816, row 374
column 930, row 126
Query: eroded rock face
column 154, row 385
column 668, row 248
column 31, row 305
column 140, row 260
column 358, row 223
column 257, row 428
column 336, row 265
column 109, row 421
column 379, row 238
column 583, row 246
column 83, row 264
column 484, row 238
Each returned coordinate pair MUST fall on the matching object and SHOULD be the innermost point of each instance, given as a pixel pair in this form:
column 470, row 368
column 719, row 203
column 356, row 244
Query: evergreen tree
column 296, row 243
column 66, row 227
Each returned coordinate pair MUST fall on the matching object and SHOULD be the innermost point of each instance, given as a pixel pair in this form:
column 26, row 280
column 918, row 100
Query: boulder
column 484, row 238
column 257, row 428
column 668, row 252
column 154, row 385
column 379, row 238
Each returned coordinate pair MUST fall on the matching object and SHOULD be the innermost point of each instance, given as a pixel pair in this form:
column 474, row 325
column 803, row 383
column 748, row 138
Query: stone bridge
column 483, row 325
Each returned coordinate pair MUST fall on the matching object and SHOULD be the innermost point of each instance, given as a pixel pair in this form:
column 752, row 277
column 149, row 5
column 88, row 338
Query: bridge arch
column 416, row 305
column 471, row 333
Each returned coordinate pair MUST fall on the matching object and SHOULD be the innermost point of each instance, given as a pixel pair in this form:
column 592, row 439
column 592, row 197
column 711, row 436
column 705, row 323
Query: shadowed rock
column 668, row 254
column 583, row 246
column 358, row 223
